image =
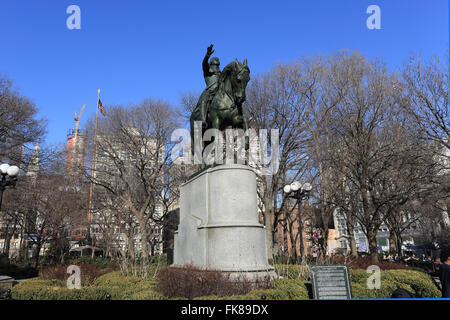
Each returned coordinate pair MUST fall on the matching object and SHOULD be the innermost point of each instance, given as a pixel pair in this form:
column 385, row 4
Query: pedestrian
column 444, row 271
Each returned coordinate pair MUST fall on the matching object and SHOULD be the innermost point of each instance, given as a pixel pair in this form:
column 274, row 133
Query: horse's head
column 236, row 77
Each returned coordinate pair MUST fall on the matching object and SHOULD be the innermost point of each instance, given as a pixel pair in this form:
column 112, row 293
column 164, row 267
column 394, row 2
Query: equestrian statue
column 220, row 104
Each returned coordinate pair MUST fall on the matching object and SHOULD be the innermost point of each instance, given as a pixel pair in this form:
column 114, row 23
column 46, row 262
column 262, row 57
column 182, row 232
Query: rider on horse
column 211, row 73
column 220, row 105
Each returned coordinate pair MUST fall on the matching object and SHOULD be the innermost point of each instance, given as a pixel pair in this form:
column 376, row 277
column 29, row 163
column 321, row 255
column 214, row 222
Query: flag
column 102, row 108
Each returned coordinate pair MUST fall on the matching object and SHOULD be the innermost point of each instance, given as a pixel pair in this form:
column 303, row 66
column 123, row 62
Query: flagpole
column 93, row 160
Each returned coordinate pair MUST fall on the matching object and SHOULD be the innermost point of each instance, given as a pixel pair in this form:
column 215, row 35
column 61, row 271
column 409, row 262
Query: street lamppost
column 8, row 178
column 299, row 192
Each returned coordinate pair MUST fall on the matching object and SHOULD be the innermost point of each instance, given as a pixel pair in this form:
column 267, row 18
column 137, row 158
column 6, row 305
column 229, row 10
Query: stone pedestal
column 219, row 227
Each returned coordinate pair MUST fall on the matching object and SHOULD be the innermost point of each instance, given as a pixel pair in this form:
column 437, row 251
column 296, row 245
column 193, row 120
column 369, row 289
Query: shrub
column 143, row 268
column 190, row 282
column 29, row 289
column 98, row 262
column 217, row 286
column 89, row 273
column 119, row 287
column 285, row 259
column 420, row 283
column 112, row 278
column 58, row 293
column 19, row 270
column 128, row 287
column 417, row 282
column 291, row 289
column 365, row 262
column 291, row 271
column 160, row 260
column 282, row 289
column 358, row 276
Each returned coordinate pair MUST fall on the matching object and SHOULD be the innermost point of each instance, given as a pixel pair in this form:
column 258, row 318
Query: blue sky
column 136, row 49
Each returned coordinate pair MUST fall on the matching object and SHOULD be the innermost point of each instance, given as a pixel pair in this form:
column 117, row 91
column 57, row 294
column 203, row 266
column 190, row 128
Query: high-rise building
column 33, row 166
column 112, row 224
column 76, row 141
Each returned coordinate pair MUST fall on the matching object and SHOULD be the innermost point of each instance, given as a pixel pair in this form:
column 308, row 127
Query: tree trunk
column 392, row 243
column 7, row 242
column 143, row 234
column 152, row 249
column 351, row 235
column 300, row 235
column 23, row 248
column 93, row 249
column 282, row 250
column 372, row 239
column 276, row 241
column 324, row 241
column 37, row 254
column 398, row 244
column 131, row 254
column 268, row 227
column 292, row 251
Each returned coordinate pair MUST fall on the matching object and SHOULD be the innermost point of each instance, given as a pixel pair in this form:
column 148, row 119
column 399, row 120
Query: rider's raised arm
column 205, row 66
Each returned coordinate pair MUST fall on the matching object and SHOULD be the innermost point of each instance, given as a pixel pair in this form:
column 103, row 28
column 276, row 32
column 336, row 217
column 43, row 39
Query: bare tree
column 367, row 100
column 18, row 123
column 45, row 208
column 315, row 96
column 269, row 107
column 133, row 150
column 431, row 223
column 188, row 101
column 426, row 86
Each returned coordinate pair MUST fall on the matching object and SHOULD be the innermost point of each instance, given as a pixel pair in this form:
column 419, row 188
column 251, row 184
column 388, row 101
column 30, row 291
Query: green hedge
column 99, row 262
column 283, row 289
column 19, row 270
column 36, row 289
column 293, row 271
column 416, row 282
column 133, row 288
column 118, row 286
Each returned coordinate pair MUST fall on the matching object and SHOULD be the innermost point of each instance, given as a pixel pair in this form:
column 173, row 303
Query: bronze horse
column 225, row 107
